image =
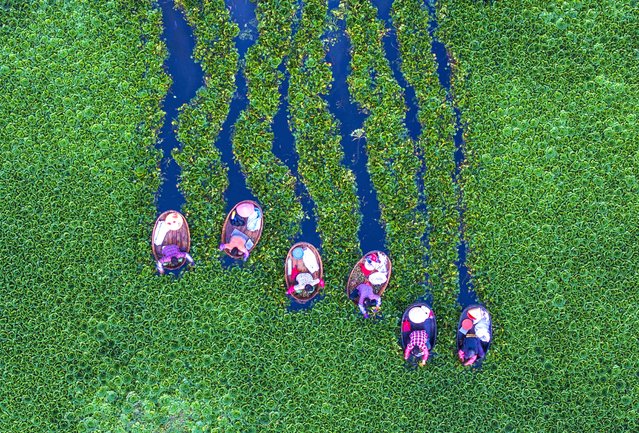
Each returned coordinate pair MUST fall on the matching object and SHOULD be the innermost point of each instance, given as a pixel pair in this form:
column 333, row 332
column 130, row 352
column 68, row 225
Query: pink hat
column 245, row 209
column 467, row 324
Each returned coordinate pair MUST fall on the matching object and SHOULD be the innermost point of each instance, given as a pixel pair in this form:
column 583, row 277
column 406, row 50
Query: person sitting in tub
column 171, row 254
column 366, row 293
column 471, row 350
column 237, row 245
column 305, row 282
column 420, row 340
column 475, row 328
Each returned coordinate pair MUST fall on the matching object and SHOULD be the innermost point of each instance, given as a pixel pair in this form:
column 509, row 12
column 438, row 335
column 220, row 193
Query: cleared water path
column 391, row 48
column 243, row 13
column 372, row 235
column 284, row 149
column 467, row 295
column 187, row 77
column 411, row 121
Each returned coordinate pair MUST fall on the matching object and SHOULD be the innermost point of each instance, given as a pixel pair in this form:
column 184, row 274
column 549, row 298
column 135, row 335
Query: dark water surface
column 467, row 295
column 284, row 149
column 411, row 121
column 187, row 77
column 243, row 13
column 372, row 235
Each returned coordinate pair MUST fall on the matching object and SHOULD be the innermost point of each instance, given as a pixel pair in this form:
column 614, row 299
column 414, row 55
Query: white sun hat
column 419, row 314
column 377, row 278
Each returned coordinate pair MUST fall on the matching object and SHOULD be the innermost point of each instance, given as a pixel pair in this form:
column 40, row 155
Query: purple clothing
column 366, row 292
column 472, row 344
column 170, row 251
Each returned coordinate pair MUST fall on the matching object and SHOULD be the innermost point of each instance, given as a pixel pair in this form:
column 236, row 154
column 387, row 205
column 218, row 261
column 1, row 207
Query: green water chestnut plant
column 546, row 91
column 82, row 91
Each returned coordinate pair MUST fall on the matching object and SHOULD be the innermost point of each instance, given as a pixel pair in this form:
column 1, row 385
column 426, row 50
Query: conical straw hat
column 418, row 314
column 174, row 221
column 245, row 210
column 377, row 278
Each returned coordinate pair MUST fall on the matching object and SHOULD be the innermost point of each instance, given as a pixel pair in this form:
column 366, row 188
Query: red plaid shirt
column 419, row 339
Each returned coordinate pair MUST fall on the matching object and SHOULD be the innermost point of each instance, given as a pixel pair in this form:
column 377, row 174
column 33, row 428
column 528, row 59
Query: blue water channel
column 467, row 295
column 391, row 49
column 284, row 149
column 187, row 77
column 372, row 235
column 243, row 13
column 411, row 121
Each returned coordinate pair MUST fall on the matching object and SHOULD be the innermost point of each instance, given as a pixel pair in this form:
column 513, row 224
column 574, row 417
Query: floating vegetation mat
column 93, row 340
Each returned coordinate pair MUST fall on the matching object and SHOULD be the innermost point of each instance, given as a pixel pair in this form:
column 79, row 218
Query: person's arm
column 408, row 349
column 377, row 299
column 460, row 353
column 471, row 360
column 159, row 267
column 244, row 251
column 189, row 258
column 363, row 295
column 425, row 354
column 360, row 304
column 480, row 351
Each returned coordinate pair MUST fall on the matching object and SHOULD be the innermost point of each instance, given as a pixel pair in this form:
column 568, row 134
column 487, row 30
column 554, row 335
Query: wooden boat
column 464, row 315
column 378, row 282
column 228, row 228
column 170, row 228
column 429, row 324
column 295, row 265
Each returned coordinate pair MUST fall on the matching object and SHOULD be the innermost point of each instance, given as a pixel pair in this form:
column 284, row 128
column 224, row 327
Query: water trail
column 467, row 295
column 243, row 13
column 372, row 235
column 284, row 149
column 393, row 55
column 187, row 77
column 391, row 48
